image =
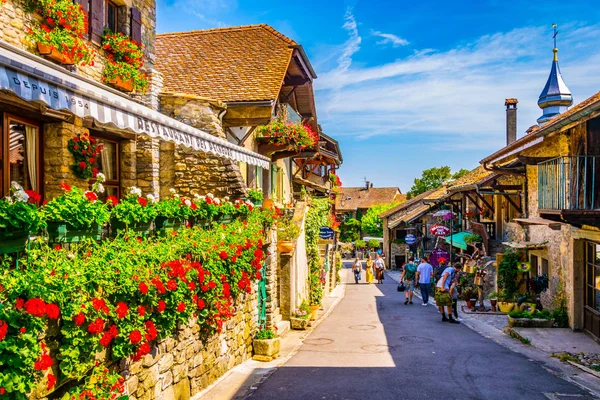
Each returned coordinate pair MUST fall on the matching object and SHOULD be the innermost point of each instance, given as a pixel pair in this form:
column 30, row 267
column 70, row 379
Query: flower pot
column 314, row 312
column 201, row 223
column 53, row 54
column 505, row 307
column 62, row 232
column 268, row 204
column 13, row 241
column 225, row 219
column 493, row 302
column 164, row 224
column 266, row 349
column 530, row 322
column 470, row 304
column 299, row 324
column 118, row 83
column 285, row 247
column 142, row 228
column 473, row 303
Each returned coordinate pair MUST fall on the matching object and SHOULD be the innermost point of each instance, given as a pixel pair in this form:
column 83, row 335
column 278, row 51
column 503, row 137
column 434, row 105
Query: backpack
column 411, row 270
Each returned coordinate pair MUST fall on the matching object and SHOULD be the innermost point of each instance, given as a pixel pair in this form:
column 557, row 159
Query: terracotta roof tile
column 352, row 198
column 246, row 63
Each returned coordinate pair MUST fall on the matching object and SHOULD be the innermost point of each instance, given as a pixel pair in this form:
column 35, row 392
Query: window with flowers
column 108, row 164
column 19, row 152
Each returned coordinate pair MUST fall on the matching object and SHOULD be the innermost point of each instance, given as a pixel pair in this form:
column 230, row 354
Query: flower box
column 200, row 222
column 530, row 322
column 266, row 349
column 62, row 232
column 142, row 228
column 505, row 307
column 164, row 224
column 53, row 54
column 125, row 86
column 299, row 324
column 13, row 241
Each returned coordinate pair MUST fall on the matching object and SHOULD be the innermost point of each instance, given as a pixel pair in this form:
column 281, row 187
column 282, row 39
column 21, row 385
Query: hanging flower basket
column 124, row 85
column 13, row 241
column 62, row 232
column 53, row 54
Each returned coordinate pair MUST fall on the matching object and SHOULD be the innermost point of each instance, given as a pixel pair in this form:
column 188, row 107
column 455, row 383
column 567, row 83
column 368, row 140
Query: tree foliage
column 373, row 244
column 372, row 225
column 433, row 178
column 350, row 230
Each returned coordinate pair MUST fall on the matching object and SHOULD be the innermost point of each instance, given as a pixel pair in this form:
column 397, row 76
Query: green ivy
column 316, row 217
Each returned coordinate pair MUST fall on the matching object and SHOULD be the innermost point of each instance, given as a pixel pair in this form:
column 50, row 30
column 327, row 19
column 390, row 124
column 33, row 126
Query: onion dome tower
column 556, row 96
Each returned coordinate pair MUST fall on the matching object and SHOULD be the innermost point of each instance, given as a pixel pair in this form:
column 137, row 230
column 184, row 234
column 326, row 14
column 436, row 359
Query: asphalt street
column 372, row 346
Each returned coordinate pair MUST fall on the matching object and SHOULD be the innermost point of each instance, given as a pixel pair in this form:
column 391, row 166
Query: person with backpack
column 408, row 278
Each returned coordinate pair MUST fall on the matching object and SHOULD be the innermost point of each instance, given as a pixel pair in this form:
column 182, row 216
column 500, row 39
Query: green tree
column 350, row 230
column 433, row 178
column 372, row 225
column 373, row 244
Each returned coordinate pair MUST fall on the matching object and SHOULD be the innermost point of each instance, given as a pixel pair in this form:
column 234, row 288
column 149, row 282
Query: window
column 111, row 16
column 545, row 267
column 20, row 154
column 259, row 177
column 534, row 265
column 108, row 164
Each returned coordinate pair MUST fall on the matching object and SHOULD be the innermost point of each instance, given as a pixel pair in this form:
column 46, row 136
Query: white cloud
column 395, row 40
column 458, row 94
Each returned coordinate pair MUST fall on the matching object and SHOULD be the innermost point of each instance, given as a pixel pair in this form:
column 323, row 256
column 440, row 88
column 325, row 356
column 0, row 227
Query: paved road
column 372, row 346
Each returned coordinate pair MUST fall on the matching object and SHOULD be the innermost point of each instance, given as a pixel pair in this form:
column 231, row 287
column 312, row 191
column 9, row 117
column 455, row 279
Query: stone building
column 354, row 202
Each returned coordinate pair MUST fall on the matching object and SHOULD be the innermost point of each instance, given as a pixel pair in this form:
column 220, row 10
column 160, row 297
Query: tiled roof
column 474, row 177
column 408, row 203
column 246, row 63
column 416, row 207
column 569, row 113
column 352, row 198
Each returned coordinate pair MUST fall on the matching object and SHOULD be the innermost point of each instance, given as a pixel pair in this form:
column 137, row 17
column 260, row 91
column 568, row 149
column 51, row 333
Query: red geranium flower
column 35, row 307
column 212, row 285
column 161, row 306
column 82, row 165
column 79, row 319
column 135, row 337
column 143, row 288
column 172, row 285
column 22, row 330
column 142, row 201
column 106, row 339
column 19, row 303
column 112, row 200
column 43, row 363
column 91, row 196
column 151, row 332
column 96, row 327
column 100, row 305
column 3, row 330
column 121, row 310
column 51, row 381
column 34, row 197
column 201, row 304
column 65, row 187
column 192, row 286
column 142, row 310
column 181, row 307
column 223, row 255
column 52, row 311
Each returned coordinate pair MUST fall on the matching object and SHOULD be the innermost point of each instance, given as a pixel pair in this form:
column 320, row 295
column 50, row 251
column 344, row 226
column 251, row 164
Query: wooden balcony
column 569, row 189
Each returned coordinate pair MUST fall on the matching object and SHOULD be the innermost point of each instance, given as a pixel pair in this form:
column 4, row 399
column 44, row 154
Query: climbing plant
column 507, row 274
column 316, row 218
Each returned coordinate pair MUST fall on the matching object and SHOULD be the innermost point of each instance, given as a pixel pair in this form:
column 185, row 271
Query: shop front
column 43, row 106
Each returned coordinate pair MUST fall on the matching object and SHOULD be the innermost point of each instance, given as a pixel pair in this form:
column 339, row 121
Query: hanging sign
column 439, row 230
column 326, row 232
column 410, row 239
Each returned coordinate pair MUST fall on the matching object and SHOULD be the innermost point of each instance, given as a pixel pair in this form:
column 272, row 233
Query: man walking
column 357, row 268
column 443, row 296
column 408, row 277
column 424, row 272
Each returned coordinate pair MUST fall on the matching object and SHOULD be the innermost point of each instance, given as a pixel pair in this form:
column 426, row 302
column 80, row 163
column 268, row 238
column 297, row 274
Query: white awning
column 34, row 79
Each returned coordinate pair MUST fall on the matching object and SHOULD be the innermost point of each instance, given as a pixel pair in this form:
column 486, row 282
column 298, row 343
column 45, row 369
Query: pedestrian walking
column 369, row 271
column 443, row 295
column 424, row 272
column 357, row 268
column 454, row 294
column 379, row 268
column 408, row 277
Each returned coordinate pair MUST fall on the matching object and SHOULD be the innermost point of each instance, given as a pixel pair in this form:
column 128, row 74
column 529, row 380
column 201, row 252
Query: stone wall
column 14, row 22
column 273, row 283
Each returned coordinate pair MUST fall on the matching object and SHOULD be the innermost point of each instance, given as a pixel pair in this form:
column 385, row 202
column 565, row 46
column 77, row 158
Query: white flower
column 21, row 196
column 175, row 196
column 15, row 186
column 100, row 188
column 197, row 196
column 210, row 195
column 151, row 198
column 172, row 191
column 187, row 202
column 217, row 201
column 203, row 198
column 249, row 203
column 226, row 198
column 100, row 177
column 136, row 191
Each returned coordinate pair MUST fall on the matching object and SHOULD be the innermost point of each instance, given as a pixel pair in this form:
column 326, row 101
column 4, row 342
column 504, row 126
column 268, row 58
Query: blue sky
column 406, row 85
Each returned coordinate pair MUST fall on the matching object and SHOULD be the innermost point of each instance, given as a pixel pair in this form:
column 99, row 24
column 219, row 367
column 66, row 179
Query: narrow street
column 373, row 346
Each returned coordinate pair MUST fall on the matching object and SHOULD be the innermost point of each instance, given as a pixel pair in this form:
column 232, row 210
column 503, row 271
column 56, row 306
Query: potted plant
column 469, row 295
column 283, row 133
column 493, row 296
column 266, row 345
column 76, row 215
column 125, row 60
column 506, row 302
column 204, row 209
column 85, row 150
column 255, row 196
column 507, row 280
column 530, row 319
column 473, row 238
column 301, row 317
column 172, row 212
column 19, row 217
column 61, row 30
column 132, row 212
column 287, row 232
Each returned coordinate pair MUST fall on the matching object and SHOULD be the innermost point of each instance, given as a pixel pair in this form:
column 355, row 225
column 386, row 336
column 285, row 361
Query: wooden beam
column 247, row 135
column 233, row 135
column 295, row 81
column 491, row 208
column 280, row 155
column 287, row 97
column 506, row 187
column 507, row 197
column 473, row 201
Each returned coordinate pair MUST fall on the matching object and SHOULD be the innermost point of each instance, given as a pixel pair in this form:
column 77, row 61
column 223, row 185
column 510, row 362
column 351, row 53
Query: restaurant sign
column 439, row 230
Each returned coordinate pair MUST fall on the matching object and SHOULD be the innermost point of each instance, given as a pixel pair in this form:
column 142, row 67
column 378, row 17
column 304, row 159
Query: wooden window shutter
column 97, row 20
column 84, row 5
column 136, row 25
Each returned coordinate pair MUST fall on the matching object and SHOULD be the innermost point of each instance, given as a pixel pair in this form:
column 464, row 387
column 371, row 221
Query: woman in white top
column 357, row 268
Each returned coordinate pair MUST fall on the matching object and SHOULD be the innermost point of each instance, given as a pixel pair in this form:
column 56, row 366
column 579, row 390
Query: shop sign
column 326, row 233
column 439, row 230
column 410, row 239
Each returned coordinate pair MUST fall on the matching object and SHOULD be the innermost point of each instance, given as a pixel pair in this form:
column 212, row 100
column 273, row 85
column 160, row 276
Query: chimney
column 368, row 183
column 511, row 120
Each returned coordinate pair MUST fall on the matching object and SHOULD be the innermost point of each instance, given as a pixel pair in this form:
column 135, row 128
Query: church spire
column 556, row 96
